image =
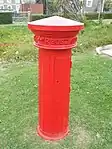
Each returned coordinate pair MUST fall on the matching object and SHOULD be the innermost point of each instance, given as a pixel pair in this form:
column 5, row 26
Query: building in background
column 22, row 6
column 11, row 5
column 33, row 8
column 93, row 5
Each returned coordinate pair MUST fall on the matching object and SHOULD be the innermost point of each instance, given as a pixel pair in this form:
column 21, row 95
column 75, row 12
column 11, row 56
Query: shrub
column 5, row 17
column 41, row 16
column 91, row 16
column 94, row 16
column 88, row 16
column 107, row 15
column 38, row 16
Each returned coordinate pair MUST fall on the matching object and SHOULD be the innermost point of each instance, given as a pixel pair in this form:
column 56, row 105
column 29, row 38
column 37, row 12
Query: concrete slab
column 107, row 52
column 104, row 50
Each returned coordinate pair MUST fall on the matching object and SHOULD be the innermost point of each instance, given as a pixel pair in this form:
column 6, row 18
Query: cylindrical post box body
column 55, row 37
column 54, row 89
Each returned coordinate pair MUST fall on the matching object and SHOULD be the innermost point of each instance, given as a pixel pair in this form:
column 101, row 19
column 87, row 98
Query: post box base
column 52, row 137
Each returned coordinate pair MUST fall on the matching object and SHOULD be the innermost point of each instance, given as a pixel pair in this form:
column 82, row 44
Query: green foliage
column 53, row 6
column 94, row 16
column 5, row 17
column 23, row 40
column 88, row 16
column 65, row 14
column 38, row 16
column 107, row 16
column 94, row 35
column 108, row 5
column 91, row 16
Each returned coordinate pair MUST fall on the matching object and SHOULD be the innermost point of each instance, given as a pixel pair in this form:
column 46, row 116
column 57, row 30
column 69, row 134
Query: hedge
column 89, row 16
column 5, row 17
column 94, row 16
column 39, row 16
column 107, row 15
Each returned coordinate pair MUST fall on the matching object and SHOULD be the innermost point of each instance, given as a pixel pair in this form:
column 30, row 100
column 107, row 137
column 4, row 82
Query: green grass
column 91, row 94
column 90, row 109
column 20, row 35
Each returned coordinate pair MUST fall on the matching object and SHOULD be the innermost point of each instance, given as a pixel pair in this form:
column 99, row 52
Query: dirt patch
column 83, row 138
column 80, row 136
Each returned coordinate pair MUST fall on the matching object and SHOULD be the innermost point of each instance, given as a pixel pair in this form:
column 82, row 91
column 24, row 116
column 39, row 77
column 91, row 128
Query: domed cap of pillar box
column 55, row 23
column 55, row 32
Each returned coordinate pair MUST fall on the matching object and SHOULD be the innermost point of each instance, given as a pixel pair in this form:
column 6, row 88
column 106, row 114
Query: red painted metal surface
column 54, row 82
column 55, row 37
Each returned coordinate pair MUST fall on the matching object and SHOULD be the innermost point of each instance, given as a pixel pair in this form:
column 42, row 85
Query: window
column 1, row 7
column 17, row 8
column 8, row 1
column 9, row 7
column 89, row 3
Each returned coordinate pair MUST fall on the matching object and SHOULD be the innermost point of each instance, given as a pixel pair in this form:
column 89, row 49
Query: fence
column 21, row 17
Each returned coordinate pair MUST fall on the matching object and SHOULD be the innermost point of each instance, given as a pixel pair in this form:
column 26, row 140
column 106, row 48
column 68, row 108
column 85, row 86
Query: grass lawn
column 91, row 95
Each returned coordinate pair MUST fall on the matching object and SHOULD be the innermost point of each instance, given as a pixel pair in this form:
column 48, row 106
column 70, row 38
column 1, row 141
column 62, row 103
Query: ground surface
column 91, row 95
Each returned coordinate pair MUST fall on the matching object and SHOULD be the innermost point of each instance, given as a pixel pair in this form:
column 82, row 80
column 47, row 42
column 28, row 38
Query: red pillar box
column 55, row 37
